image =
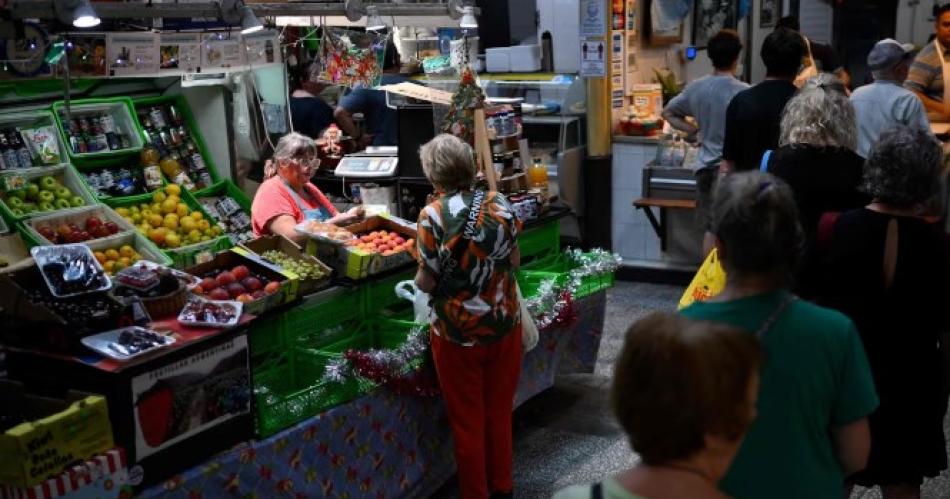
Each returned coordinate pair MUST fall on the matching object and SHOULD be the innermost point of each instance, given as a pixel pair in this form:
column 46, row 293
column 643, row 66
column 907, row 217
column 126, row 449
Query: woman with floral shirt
column 468, row 253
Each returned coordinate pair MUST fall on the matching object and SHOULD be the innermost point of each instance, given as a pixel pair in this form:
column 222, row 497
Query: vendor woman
column 931, row 70
column 287, row 197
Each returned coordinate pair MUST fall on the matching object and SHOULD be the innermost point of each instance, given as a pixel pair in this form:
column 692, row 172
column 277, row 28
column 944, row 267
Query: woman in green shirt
column 684, row 391
column 817, row 390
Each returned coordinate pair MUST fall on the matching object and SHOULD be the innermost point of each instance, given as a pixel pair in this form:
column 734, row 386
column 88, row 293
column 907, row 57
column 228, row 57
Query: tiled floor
column 567, row 434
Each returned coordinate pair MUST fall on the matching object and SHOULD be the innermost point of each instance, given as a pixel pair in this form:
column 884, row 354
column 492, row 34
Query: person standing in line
column 684, row 392
column 753, row 116
column 816, row 158
column 820, row 57
column 817, row 392
column 929, row 73
column 706, row 100
column 888, row 265
column 468, row 269
column 884, row 104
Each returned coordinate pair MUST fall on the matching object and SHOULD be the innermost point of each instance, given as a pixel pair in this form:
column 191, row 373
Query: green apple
column 46, row 206
column 46, row 196
column 14, row 202
column 32, row 191
column 28, row 207
column 17, row 212
column 63, row 193
column 62, row 204
column 19, row 193
column 77, row 201
column 48, row 183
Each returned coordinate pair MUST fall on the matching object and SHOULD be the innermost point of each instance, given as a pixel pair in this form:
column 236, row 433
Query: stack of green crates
column 559, row 266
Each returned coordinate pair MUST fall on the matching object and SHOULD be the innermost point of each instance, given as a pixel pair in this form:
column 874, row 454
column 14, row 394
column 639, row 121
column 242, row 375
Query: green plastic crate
column 128, row 122
column 182, row 105
column 265, row 335
column 65, row 174
column 184, row 256
column 288, row 386
column 132, row 162
column 313, row 322
column 226, row 188
column 540, row 241
column 380, row 295
column 562, row 264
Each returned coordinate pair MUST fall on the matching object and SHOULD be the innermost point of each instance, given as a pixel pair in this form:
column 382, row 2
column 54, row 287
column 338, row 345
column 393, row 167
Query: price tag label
column 13, row 182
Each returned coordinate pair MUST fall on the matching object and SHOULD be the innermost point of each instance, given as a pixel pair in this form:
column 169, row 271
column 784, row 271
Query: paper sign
column 593, row 58
column 180, row 52
column 420, row 92
column 261, row 48
column 219, row 51
column 616, row 47
column 132, row 53
column 593, row 18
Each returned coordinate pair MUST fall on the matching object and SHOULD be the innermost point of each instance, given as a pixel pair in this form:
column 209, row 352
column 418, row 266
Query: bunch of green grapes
column 306, row 270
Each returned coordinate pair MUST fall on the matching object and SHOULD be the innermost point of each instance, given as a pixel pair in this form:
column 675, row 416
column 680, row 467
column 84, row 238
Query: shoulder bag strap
column 779, row 310
column 890, row 253
column 764, row 164
column 811, row 58
column 295, row 196
column 597, row 490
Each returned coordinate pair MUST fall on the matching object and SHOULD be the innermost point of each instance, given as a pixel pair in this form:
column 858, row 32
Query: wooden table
column 659, row 227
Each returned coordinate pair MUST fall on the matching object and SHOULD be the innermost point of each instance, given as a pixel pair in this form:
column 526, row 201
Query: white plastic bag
column 529, row 330
column 408, row 290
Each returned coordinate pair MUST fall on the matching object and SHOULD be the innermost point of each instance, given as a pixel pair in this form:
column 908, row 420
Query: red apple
column 272, row 287
column 219, row 294
column 84, row 235
column 100, row 231
column 257, row 295
column 252, row 283
column 64, row 230
column 92, row 223
column 74, row 227
column 235, row 290
column 113, row 227
column 208, row 284
column 47, row 232
column 225, row 278
column 240, row 272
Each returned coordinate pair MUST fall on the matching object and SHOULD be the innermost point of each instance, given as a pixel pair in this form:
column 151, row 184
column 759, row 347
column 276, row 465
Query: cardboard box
column 103, row 476
column 13, row 250
column 264, row 244
column 58, row 433
column 227, row 260
column 356, row 264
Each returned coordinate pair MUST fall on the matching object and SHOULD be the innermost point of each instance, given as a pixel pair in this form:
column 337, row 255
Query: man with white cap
column 885, row 103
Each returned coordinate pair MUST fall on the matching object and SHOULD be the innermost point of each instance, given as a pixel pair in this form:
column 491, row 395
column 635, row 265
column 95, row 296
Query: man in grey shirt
column 885, row 103
column 706, row 100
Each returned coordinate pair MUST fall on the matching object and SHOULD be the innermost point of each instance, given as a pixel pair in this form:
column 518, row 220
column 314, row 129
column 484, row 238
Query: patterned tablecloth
column 381, row 445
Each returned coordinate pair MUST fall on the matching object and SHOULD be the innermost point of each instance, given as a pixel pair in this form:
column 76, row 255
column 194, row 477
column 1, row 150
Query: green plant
column 671, row 88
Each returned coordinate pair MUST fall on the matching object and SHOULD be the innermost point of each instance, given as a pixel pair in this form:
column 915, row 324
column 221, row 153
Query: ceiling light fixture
column 79, row 13
column 373, row 21
column 249, row 22
column 468, row 18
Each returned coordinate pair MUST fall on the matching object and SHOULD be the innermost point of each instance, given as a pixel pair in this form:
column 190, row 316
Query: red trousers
column 478, row 384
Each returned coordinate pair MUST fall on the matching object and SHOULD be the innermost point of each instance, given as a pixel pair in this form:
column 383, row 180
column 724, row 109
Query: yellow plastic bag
column 708, row 281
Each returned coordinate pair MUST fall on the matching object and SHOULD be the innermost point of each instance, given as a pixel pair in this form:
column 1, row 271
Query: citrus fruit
column 172, row 189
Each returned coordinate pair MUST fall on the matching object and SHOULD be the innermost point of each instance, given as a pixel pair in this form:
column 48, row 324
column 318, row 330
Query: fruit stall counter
column 169, row 410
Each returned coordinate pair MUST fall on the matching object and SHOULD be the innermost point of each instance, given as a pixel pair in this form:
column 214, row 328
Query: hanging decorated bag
column 708, row 281
column 460, row 120
column 352, row 58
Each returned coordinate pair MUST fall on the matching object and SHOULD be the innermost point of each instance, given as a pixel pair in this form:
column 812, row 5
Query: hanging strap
column 811, row 58
column 890, row 253
column 597, row 490
column 764, row 164
column 767, row 325
column 297, row 199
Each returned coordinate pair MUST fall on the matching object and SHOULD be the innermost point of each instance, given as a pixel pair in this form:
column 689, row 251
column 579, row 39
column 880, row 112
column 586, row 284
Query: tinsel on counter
column 402, row 369
column 407, row 370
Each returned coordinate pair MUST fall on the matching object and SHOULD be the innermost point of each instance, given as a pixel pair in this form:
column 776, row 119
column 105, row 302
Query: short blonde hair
column 448, row 162
column 292, row 145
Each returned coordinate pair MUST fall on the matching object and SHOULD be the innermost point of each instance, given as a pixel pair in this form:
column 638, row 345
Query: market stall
column 180, row 354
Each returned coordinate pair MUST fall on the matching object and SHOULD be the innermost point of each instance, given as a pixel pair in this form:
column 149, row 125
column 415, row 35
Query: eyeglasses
column 310, row 163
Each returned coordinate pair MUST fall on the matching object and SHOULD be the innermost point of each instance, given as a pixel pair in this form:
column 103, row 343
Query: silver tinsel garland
column 547, row 306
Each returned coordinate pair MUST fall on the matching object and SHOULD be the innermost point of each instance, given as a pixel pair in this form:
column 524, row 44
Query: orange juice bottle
column 538, row 175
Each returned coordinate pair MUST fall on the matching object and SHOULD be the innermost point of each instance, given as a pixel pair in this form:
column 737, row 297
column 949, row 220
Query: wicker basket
column 168, row 305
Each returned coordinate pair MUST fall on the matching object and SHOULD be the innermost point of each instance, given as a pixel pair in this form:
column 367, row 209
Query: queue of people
column 826, row 217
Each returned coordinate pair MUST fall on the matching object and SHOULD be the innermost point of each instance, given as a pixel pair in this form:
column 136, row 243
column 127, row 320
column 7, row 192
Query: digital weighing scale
column 375, row 162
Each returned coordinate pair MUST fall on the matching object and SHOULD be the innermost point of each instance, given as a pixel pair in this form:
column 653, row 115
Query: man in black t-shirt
column 309, row 113
column 754, row 116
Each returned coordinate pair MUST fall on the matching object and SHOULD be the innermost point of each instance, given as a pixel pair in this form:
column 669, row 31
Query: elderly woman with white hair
column 287, row 197
column 817, row 159
column 468, row 253
column 888, row 265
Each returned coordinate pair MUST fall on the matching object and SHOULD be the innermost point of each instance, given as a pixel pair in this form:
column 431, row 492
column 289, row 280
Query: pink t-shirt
column 274, row 199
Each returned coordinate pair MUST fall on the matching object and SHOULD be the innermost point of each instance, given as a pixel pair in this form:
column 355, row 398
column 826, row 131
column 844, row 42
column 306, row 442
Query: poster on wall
column 184, row 398
column 261, row 48
column 221, row 51
column 769, row 12
column 180, row 52
column 132, row 53
column 87, row 57
column 593, row 18
column 593, row 58
column 711, row 17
